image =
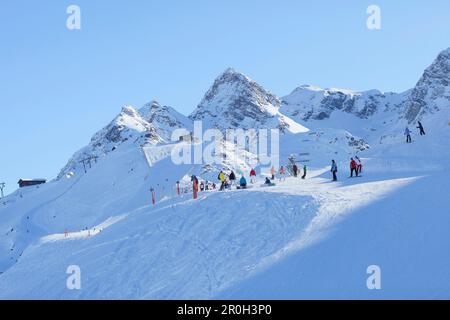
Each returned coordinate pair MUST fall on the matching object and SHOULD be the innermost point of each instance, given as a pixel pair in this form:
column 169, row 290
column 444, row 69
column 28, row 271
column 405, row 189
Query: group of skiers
column 355, row 167
column 227, row 181
column 408, row 132
column 295, row 171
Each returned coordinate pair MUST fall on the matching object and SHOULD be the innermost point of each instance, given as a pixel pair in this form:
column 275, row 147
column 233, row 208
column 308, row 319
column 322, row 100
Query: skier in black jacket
column 232, row 177
column 295, row 169
column 420, row 127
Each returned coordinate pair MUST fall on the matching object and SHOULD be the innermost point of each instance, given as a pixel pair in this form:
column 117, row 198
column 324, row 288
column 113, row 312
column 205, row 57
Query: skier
column 282, row 173
column 359, row 165
column 295, row 170
column 408, row 135
column 202, row 186
column 420, row 127
column 232, row 177
column 304, row 172
column 194, row 186
column 252, row 175
column 353, row 167
column 334, row 170
column 243, row 183
column 273, row 171
column 222, row 180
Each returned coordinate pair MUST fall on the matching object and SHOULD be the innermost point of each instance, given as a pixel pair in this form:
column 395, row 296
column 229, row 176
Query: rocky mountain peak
column 432, row 92
column 234, row 100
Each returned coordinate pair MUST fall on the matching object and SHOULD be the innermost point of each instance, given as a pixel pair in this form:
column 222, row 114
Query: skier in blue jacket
column 334, row 170
column 408, row 135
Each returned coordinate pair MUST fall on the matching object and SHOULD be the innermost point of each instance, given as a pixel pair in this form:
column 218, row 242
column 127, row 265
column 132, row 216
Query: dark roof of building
column 30, row 180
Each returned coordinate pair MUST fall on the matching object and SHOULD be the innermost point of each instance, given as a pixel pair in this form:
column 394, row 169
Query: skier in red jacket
column 252, row 175
column 353, row 167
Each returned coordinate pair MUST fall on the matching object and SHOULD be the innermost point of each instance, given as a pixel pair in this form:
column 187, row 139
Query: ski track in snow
column 200, row 248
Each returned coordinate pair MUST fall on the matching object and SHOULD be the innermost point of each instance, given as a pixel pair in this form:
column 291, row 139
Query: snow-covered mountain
column 430, row 95
column 236, row 101
column 300, row 239
column 150, row 125
column 164, row 119
column 312, row 103
column 432, row 92
column 127, row 128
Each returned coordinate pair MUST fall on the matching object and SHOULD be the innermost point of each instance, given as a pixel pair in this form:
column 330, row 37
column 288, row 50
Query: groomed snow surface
column 301, row 239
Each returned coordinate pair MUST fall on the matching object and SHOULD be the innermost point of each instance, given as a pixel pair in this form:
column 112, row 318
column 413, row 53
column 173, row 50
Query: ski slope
column 300, row 239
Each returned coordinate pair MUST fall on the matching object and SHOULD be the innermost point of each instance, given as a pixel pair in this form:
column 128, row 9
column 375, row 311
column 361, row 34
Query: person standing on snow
column 252, row 175
column 359, row 165
column 232, row 177
column 353, row 167
column 304, row 172
column 334, row 170
column 295, row 170
column 282, row 173
column 420, row 127
column 273, row 171
column 194, row 186
column 408, row 135
column 222, row 180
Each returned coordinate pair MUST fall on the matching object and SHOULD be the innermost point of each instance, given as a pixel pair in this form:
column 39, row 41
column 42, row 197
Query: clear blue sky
column 58, row 87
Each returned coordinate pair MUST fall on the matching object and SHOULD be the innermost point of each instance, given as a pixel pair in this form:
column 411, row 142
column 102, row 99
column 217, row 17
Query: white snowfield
column 301, row 239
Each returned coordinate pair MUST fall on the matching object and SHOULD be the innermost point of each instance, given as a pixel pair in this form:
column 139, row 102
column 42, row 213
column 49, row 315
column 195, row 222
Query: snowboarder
column 334, row 170
column 353, row 167
column 252, row 176
column 408, row 135
column 304, row 172
column 272, row 172
column 282, row 173
column 295, row 170
column 359, row 165
column 232, row 177
column 420, row 127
